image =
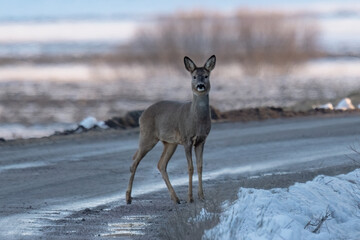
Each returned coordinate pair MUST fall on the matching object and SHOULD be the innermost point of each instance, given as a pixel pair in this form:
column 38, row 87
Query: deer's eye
column 194, row 77
column 206, row 76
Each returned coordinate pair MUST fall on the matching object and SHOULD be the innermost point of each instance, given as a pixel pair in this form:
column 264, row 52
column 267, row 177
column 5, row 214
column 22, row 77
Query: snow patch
column 290, row 213
column 91, row 122
column 102, row 124
column 345, row 104
column 88, row 122
column 325, row 106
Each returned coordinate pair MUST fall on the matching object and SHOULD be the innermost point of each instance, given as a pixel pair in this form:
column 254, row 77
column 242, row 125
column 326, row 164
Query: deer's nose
column 200, row 87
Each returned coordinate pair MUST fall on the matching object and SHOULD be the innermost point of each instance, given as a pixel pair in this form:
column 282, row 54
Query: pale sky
column 64, row 8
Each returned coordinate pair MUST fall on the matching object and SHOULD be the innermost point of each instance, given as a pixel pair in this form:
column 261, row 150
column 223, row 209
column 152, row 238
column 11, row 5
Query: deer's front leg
column 188, row 152
column 199, row 149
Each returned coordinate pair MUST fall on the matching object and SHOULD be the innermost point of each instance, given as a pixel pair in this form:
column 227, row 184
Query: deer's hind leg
column 145, row 145
column 169, row 149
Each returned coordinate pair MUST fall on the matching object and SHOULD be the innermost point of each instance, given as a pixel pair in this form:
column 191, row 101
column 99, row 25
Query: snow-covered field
column 231, row 87
column 66, row 94
column 324, row 208
column 16, row 130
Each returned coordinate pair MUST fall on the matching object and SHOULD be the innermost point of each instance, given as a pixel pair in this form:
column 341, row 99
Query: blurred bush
column 251, row 38
column 275, row 39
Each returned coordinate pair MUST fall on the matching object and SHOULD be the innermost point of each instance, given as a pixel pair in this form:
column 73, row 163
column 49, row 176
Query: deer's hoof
column 201, row 197
column 190, row 200
column 176, row 200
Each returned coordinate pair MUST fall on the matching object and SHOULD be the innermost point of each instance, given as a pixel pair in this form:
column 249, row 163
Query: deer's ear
column 189, row 64
column 210, row 63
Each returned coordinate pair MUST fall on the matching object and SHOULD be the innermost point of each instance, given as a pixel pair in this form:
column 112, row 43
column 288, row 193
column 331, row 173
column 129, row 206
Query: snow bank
column 345, row 104
column 284, row 213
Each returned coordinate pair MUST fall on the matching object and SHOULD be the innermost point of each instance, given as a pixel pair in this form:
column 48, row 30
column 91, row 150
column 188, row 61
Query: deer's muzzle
column 200, row 87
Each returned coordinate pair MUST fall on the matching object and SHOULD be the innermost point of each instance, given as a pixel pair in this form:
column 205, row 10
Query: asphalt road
column 44, row 181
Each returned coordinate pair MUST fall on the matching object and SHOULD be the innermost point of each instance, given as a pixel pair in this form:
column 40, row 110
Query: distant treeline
column 252, row 38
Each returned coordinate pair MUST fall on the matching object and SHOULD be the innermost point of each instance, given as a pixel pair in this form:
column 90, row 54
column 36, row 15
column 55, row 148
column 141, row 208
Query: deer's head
column 200, row 75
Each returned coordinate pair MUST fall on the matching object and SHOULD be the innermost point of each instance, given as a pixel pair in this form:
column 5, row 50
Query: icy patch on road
column 296, row 212
column 128, row 226
column 203, row 216
column 22, row 166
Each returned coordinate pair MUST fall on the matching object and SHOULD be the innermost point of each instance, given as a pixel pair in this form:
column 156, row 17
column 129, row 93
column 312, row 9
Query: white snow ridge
column 324, row 208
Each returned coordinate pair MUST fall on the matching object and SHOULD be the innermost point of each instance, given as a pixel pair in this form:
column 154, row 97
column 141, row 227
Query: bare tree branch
column 317, row 223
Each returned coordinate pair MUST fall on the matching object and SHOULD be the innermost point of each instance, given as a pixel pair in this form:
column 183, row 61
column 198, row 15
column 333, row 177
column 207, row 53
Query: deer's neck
column 200, row 108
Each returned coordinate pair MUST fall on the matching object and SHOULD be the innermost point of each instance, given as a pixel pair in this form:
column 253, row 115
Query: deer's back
column 164, row 119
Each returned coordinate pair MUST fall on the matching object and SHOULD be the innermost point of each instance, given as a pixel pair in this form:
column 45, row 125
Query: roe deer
column 176, row 123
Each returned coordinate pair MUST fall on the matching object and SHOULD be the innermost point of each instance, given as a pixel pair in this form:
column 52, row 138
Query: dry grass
column 315, row 225
column 275, row 39
column 184, row 223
